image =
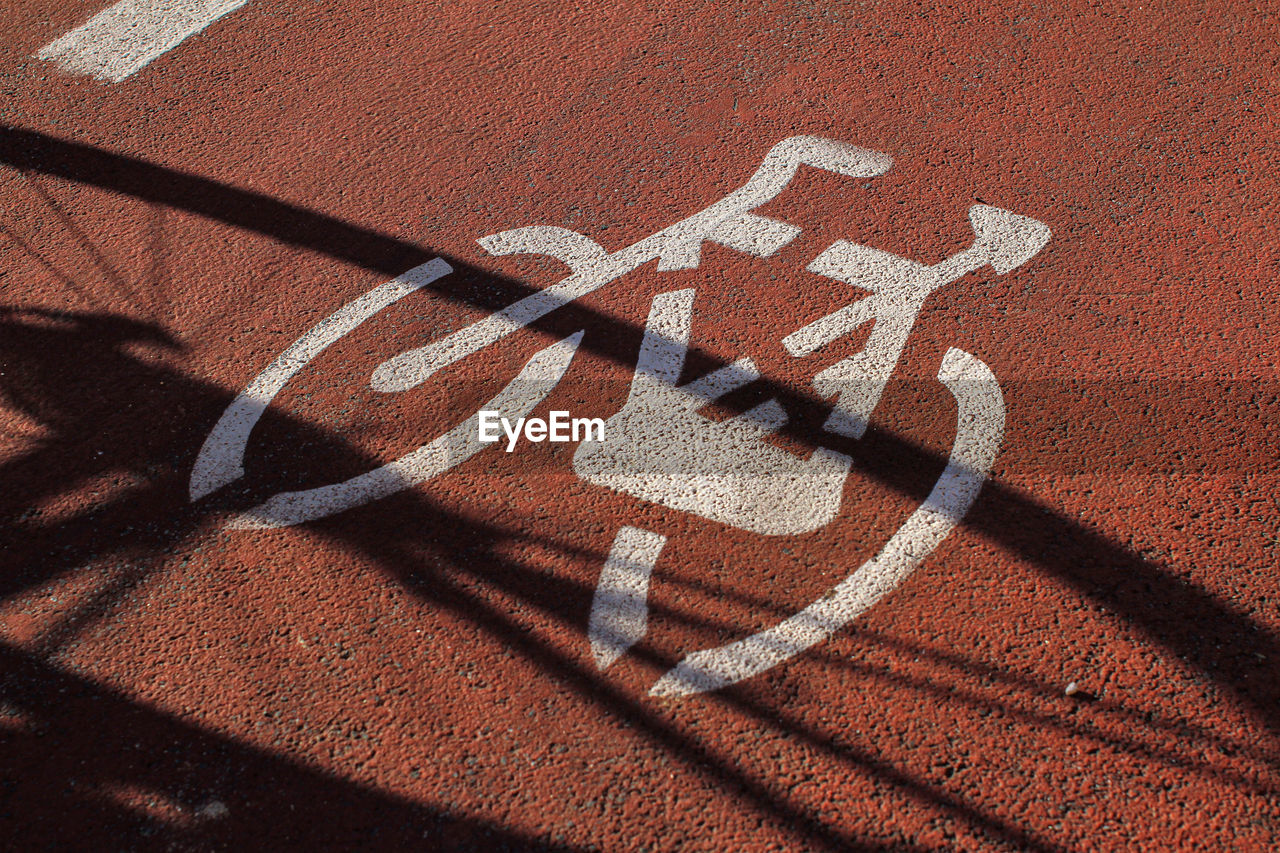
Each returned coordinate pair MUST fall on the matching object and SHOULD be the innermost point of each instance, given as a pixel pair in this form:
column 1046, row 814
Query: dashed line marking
column 121, row 40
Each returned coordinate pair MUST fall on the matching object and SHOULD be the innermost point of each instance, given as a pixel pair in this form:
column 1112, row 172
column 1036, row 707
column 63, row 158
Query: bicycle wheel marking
column 537, row 379
column 657, row 448
column 221, row 459
column 980, row 429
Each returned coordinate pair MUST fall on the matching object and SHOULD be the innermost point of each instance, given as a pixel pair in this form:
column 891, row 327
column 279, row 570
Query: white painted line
column 124, row 38
column 620, row 609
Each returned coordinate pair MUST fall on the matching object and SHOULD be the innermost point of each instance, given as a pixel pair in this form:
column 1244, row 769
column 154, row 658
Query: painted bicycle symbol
column 658, row 448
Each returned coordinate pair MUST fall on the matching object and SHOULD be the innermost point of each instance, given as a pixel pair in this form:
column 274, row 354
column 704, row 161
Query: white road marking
column 980, row 429
column 221, row 459
column 124, row 38
column 728, row 222
column 530, row 387
column 658, row 448
column 899, row 288
column 620, row 610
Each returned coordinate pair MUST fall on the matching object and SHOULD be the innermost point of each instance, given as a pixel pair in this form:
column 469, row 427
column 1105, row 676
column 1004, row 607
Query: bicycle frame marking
column 729, row 222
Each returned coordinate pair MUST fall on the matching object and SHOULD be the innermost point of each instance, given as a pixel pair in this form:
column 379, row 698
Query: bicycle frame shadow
column 85, row 441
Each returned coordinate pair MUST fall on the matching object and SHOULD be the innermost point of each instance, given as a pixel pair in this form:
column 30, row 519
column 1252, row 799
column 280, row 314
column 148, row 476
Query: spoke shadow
column 87, row 767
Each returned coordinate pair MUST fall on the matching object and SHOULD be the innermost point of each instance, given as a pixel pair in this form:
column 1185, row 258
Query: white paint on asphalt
column 530, row 387
column 221, row 459
column 620, row 610
column 122, row 39
column 899, row 288
column 658, row 448
column 728, row 222
column 980, row 429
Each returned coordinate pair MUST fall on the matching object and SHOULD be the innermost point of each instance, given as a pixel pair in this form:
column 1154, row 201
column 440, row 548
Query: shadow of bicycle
column 93, row 382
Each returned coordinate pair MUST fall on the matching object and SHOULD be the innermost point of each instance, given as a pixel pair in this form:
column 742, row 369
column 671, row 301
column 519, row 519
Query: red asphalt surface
column 415, row 673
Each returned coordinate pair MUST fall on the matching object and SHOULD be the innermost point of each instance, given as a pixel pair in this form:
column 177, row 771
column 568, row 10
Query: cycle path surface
column 261, row 634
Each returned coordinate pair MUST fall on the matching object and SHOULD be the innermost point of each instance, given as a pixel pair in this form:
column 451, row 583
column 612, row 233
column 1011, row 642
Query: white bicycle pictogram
column 659, row 449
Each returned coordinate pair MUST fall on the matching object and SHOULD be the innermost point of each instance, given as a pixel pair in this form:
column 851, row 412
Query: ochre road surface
column 415, row 672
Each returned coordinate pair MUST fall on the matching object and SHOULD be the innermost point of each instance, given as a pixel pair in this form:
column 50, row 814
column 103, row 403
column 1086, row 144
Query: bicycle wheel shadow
column 89, row 767
column 81, row 763
column 93, row 382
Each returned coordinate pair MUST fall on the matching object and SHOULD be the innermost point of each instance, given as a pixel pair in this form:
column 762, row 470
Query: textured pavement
column 416, row 672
